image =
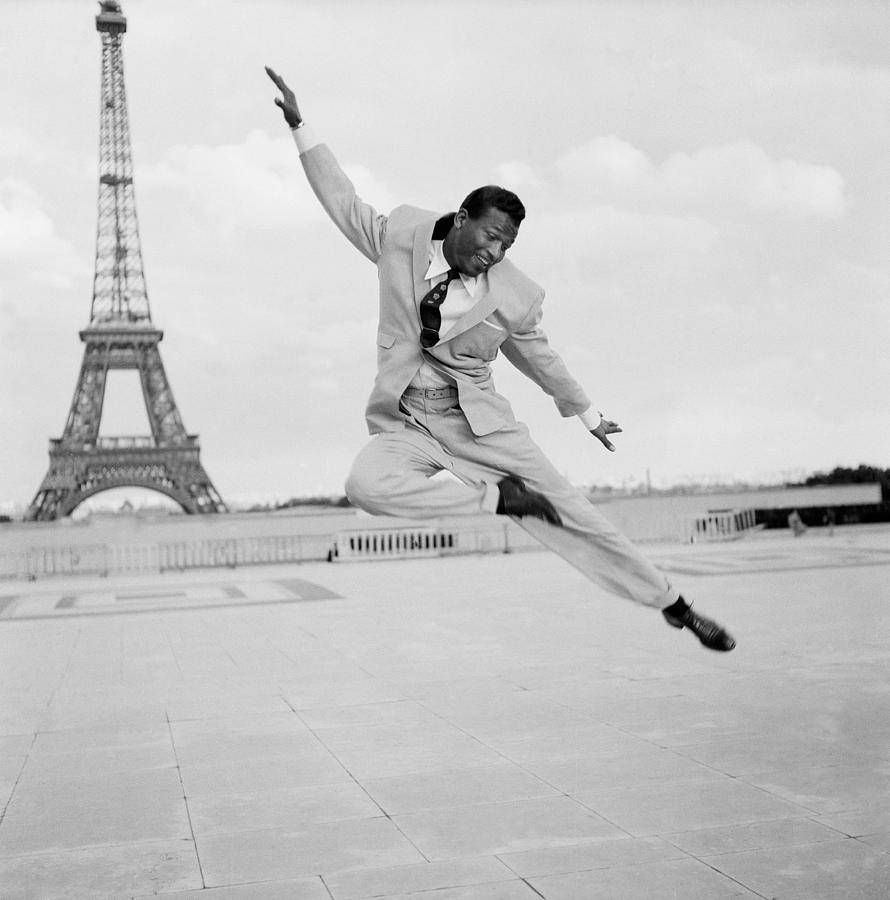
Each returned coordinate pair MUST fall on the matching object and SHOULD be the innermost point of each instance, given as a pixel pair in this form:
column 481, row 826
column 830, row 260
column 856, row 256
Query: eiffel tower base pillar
column 76, row 474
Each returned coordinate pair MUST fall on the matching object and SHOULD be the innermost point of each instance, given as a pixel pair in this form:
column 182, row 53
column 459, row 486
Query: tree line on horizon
column 862, row 474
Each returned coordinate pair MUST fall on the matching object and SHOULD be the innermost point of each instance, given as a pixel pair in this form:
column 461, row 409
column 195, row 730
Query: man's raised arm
column 358, row 220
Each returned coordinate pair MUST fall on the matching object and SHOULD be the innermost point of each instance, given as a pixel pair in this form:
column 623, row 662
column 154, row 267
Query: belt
column 438, row 393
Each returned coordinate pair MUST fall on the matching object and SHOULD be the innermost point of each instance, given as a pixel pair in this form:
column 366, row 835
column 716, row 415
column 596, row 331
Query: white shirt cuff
column 491, row 497
column 304, row 138
column 591, row 418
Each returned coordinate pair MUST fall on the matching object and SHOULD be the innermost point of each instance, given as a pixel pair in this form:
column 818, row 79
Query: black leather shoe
column 517, row 500
column 712, row 635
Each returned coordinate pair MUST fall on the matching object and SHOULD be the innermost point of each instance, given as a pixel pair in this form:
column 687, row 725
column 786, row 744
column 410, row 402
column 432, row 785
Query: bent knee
column 359, row 489
column 386, row 471
column 367, row 487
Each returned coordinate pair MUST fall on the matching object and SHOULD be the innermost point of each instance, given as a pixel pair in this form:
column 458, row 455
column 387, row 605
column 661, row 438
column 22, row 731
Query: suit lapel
column 488, row 299
column 486, row 303
column 423, row 234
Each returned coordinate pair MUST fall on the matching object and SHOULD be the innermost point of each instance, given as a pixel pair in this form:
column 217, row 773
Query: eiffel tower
column 120, row 336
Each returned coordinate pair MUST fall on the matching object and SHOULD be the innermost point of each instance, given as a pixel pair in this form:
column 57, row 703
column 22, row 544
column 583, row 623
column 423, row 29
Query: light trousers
column 392, row 475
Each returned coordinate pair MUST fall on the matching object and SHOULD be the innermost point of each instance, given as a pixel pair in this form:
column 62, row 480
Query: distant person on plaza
column 449, row 302
column 795, row 523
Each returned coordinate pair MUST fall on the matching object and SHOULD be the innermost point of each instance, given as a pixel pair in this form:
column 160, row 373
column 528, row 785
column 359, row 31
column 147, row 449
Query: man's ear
column 460, row 217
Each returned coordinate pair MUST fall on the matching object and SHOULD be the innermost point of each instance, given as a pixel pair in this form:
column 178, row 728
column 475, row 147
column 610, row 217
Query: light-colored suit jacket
column 505, row 317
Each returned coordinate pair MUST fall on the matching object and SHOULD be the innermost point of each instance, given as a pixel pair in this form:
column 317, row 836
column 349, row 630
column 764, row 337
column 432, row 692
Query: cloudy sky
column 707, row 190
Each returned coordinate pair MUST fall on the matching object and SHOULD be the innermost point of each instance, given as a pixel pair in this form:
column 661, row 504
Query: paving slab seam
column 106, row 845
column 847, row 834
column 684, row 854
column 861, row 839
column 52, row 694
column 629, row 868
column 346, row 769
column 558, row 791
column 185, row 801
column 178, row 892
column 336, row 650
column 15, row 783
column 704, row 857
column 325, row 885
column 531, row 887
column 742, row 779
column 605, row 818
column 705, row 860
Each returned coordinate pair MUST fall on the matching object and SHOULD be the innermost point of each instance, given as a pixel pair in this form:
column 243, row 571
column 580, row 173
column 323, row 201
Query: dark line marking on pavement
column 308, row 590
column 686, row 569
column 161, row 610
column 149, row 596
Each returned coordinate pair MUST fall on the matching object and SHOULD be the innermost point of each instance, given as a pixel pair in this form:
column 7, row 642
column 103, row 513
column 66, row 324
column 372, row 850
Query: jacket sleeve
column 359, row 221
column 529, row 350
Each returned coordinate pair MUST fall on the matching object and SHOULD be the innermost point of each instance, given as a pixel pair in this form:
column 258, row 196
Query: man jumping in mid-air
column 449, row 302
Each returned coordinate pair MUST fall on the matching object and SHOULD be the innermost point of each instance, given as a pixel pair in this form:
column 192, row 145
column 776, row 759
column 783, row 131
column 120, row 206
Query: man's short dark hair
column 491, row 196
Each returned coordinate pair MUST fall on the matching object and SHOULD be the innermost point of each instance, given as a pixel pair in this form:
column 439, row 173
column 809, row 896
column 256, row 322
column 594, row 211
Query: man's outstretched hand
column 287, row 102
column 602, row 432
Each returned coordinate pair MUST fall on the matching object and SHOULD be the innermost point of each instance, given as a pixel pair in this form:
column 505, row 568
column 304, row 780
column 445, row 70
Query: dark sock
column 676, row 609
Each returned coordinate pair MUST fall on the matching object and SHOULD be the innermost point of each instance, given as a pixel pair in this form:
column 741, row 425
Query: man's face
column 473, row 246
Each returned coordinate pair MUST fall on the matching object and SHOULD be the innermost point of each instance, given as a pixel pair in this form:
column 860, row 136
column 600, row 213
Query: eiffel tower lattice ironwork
column 120, row 336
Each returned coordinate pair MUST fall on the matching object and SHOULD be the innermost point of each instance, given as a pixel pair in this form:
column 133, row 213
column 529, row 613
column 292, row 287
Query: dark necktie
column 430, row 316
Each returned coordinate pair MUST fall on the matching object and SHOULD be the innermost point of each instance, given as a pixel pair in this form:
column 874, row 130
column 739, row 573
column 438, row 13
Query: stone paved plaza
column 487, row 727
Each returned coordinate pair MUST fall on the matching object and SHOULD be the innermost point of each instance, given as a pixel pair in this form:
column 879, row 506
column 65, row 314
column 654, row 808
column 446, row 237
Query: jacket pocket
column 481, row 342
column 385, row 340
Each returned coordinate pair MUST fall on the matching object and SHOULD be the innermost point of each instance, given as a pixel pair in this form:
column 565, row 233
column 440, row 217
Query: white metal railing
column 395, row 543
column 104, row 559
column 391, row 543
column 719, row 525
column 126, row 442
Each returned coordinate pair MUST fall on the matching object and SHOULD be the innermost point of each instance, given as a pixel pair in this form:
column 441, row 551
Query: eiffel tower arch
column 120, row 335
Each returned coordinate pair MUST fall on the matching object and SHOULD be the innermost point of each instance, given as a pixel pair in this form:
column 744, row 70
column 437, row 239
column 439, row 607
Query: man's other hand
column 602, row 432
column 287, row 102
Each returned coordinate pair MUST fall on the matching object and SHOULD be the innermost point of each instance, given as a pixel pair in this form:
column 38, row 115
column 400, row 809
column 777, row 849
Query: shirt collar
column 439, row 266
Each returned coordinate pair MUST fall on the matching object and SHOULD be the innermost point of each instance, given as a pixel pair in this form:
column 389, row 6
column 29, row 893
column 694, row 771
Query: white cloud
column 257, row 184
column 744, row 174
column 603, row 234
column 16, row 143
column 519, row 177
column 605, row 165
column 739, row 175
column 29, row 246
column 22, row 222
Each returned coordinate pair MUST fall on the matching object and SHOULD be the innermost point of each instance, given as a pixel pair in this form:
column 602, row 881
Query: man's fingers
column 279, row 83
column 601, row 437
